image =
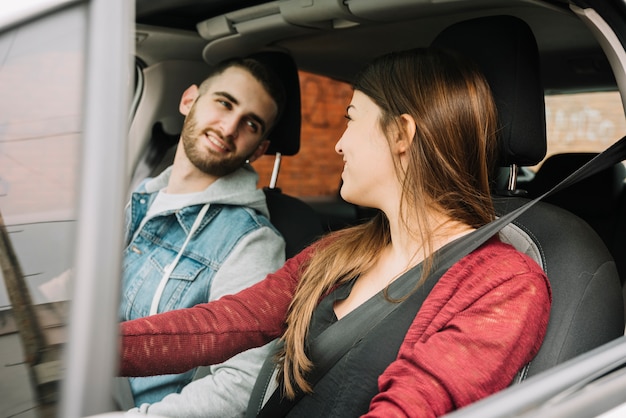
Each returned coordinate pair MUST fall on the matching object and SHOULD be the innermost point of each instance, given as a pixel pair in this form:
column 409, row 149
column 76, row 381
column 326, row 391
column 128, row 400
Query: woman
column 418, row 144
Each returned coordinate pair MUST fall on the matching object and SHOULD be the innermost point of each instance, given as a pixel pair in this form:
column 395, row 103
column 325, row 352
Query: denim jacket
column 233, row 247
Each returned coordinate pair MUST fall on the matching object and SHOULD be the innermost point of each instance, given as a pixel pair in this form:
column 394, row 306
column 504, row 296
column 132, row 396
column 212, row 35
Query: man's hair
column 262, row 73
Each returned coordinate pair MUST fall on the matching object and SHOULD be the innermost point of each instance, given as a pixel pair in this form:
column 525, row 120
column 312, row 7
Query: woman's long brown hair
column 448, row 171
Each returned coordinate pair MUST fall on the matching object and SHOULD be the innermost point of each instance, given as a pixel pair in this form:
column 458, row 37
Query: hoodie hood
column 238, row 188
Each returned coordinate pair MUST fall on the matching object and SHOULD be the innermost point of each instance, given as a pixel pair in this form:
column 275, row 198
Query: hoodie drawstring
column 170, row 267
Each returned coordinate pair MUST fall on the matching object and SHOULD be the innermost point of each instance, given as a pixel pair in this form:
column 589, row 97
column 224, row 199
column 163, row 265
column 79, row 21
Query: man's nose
column 230, row 126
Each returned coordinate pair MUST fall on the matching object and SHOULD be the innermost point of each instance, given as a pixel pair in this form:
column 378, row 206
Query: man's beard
column 205, row 160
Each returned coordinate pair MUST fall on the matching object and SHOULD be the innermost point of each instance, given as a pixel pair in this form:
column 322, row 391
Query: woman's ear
column 407, row 133
column 187, row 100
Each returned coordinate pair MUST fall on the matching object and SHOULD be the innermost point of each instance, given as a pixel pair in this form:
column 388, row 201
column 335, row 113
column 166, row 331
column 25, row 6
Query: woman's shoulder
column 493, row 264
column 497, row 254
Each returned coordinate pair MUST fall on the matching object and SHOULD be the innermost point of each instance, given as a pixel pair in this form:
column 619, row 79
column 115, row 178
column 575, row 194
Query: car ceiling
column 571, row 58
column 184, row 14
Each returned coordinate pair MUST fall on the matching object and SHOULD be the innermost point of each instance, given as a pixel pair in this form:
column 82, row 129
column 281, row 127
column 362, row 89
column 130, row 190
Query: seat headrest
column 505, row 49
column 285, row 135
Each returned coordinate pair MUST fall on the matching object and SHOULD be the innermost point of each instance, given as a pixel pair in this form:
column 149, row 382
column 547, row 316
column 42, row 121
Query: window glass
column 584, row 122
column 41, row 77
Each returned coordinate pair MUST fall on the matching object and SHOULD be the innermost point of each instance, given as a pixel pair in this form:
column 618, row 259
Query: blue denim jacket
column 235, row 211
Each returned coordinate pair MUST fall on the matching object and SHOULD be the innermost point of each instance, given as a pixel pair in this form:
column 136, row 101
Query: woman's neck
column 412, row 245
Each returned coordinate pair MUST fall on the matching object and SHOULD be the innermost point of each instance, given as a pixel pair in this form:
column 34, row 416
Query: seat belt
column 330, row 346
column 344, row 334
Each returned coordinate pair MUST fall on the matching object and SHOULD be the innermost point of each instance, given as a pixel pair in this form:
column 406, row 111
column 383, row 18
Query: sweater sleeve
column 481, row 334
column 210, row 333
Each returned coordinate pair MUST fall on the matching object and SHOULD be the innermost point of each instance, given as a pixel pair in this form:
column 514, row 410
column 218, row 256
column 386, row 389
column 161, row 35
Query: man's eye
column 253, row 126
column 225, row 103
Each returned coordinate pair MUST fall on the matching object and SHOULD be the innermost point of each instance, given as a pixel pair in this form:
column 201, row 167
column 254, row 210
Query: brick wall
column 316, row 169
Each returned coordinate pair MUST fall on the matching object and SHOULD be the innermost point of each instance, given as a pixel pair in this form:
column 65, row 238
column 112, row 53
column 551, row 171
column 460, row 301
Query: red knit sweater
column 484, row 319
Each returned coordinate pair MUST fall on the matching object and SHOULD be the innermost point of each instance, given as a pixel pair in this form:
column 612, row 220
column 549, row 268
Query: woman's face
column 368, row 174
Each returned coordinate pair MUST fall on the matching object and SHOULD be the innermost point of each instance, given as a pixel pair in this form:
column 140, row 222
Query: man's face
column 225, row 124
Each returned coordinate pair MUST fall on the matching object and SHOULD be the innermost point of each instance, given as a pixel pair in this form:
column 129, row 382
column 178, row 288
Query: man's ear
column 406, row 134
column 259, row 151
column 187, row 100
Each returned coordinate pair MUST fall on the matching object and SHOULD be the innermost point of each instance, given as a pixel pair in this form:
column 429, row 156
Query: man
column 200, row 230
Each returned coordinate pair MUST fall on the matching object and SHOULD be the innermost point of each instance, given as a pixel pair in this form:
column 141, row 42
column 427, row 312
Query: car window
column 41, row 72
column 316, row 169
column 583, row 122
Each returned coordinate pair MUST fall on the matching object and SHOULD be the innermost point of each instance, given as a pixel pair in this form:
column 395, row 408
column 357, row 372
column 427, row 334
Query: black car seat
column 596, row 199
column 587, row 307
column 299, row 224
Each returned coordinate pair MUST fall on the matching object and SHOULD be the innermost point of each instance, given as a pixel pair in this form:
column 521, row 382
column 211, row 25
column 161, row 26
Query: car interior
column 528, row 50
column 574, row 235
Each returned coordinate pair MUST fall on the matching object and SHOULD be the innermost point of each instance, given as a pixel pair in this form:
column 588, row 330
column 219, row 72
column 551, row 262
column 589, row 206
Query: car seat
column 596, row 199
column 299, row 224
column 587, row 307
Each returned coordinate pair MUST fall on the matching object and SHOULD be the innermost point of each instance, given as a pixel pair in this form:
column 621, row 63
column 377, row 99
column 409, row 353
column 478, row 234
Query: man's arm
column 224, row 392
column 257, row 254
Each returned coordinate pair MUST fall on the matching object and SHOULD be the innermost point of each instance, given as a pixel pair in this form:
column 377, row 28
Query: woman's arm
column 210, row 333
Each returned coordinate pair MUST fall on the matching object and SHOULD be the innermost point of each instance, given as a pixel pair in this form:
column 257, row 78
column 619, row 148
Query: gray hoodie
column 223, row 390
